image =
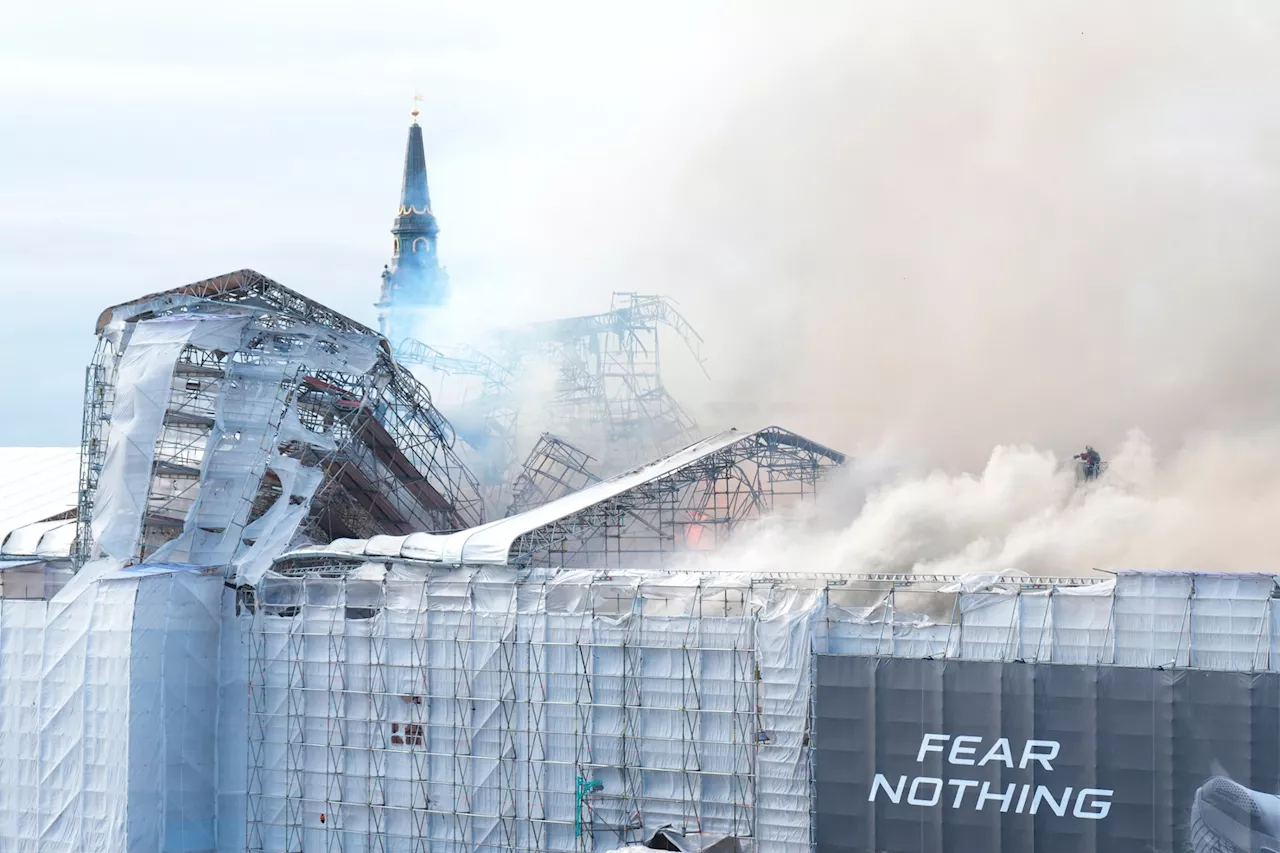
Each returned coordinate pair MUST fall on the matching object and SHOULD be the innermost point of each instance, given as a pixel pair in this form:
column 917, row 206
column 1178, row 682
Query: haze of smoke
column 962, row 227
column 1209, row 506
column 947, row 228
column 957, row 225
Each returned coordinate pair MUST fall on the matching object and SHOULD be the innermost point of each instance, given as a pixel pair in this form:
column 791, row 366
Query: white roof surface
column 489, row 543
column 36, row 484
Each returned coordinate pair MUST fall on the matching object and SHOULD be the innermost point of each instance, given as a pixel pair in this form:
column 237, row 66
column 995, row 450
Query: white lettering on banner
column 914, row 797
column 1101, row 806
column 961, row 786
column 999, row 751
column 1004, row 799
column 895, row 794
column 926, row 791
column 958, row 748
column 1042, row 751
column 1059, row 808
column 927, row 745
column 1029, row 753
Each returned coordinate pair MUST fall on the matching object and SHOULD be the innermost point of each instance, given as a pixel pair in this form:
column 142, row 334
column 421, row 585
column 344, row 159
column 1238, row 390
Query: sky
column 146, row 146
column 934, row 226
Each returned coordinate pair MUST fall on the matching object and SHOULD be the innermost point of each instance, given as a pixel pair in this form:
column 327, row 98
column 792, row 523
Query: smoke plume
column 943, row 228
column 1209, row 506
column 958, row 225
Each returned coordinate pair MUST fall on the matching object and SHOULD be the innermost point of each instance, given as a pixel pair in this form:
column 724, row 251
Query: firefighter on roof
column 1092, row 462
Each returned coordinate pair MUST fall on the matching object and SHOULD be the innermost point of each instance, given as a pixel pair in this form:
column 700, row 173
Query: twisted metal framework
column 386, row 454
column 394, row 469
column 680, row 511
column 696, row 507
column 486, row 421
column 460, row 360
column 553, row 469
column 609, row 393
column 244, row 287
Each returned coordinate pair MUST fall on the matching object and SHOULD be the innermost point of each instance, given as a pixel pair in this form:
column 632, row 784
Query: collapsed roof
column 229, row 419
column 690, row 500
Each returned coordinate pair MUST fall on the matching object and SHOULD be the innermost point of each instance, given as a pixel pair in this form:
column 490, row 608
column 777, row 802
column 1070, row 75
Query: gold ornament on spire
column 417, row 99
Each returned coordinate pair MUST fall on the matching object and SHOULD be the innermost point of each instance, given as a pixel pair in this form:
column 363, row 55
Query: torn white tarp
column 188, row 456
column 143, row 379
column 254, row 417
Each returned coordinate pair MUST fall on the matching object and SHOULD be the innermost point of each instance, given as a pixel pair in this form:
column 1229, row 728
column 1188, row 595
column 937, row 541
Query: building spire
column 414, row 281
column 415, row 198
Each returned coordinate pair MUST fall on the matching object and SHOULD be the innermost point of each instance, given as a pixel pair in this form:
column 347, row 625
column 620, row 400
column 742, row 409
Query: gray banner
column 919, row 756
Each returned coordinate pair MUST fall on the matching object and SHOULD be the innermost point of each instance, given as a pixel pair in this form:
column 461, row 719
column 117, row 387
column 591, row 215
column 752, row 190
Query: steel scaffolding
column 409, row 708
column 508, row 708
column 456, row 713
column 675, row 508
column 486, row 415
column 695, row 507
column 553, row 469
column 384, row 455
column 610, row 397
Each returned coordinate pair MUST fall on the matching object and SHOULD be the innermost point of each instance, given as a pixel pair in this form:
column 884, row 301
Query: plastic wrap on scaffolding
column 374, row 704
column 173, row 711
column 784, row 646
column 246, row 419
column 255, row 416
column 107, row 714
column 143, row 381
column 590, row 711
column 232, row 736
column 468, row 709
column 193, row 444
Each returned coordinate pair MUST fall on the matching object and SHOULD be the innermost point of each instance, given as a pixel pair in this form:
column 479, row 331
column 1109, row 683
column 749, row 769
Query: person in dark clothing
column 1092, row 462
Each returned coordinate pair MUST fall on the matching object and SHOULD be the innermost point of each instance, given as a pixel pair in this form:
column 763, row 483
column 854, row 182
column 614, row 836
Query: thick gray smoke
column 1210, row 506
column 1044, row 230
column 961, row 225
column 943, row 228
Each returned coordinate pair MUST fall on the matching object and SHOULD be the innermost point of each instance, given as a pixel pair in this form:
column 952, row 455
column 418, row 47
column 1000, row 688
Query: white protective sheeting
column 105, row 715
column 35, row 578
column 251, row 424
column 173, row 710
column 143, row 379
column 51, row 540
column 488, row 544
column 144, row 710
column 252, row 418
column 460, row 709
column 232, row 733
column 784, row 651
column 464, row 705
column 1227, row 617
column 36, row 484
